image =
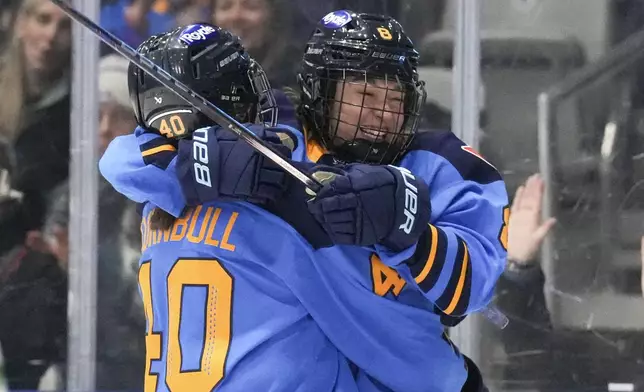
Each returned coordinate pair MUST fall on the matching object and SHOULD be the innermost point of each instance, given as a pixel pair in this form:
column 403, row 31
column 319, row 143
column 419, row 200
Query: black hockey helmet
column 366, row 51
column 211, row 61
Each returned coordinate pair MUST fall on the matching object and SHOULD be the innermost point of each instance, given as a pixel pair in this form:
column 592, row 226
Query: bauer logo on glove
column 411, row 199
column 366, row 205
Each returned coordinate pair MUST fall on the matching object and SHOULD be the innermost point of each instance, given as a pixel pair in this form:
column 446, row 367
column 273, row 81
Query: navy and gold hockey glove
column 215, row 164
column 368, row 205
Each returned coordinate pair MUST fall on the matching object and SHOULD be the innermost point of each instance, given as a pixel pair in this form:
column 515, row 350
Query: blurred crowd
column 35, row 94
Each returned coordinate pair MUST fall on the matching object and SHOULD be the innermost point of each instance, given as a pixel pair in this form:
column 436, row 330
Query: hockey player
column 442, row 370
column 219, row 315
column 360, row 100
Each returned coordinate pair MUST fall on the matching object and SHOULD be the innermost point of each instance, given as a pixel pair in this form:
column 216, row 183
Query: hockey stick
column 198, row 102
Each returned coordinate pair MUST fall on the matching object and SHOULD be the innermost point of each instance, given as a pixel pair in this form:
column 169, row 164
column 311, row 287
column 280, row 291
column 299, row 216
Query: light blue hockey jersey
column 378, row 317
column 220, row 317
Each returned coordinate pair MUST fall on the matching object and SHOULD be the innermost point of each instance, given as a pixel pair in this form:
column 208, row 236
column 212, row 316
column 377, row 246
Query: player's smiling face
column 44, row 32
column 367, row 110
column 246, row 18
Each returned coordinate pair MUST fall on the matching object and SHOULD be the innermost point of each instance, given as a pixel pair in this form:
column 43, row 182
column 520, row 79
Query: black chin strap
column 366, row 151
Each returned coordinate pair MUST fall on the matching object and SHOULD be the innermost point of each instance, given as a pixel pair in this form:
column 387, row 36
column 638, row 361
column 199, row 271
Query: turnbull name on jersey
column 210, row 226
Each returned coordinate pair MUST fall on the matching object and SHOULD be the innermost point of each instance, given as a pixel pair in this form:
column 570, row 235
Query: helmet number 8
column 384, row 33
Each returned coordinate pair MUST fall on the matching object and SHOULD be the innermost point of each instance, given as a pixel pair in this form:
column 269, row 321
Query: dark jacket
column 41, row 162
column 33, row 307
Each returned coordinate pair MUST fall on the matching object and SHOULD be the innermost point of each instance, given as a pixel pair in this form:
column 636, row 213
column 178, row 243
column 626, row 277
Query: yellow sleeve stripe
column 155, row 150
column 461, row 283
column 432, row 256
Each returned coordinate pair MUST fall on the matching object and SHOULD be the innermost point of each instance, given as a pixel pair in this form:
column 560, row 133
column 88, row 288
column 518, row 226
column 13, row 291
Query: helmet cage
column 348, row 49
column 379, row 142
column 267, row 109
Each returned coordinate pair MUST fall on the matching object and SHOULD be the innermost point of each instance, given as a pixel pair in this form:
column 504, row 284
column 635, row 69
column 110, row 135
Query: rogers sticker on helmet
column 196, row 33
column 336, row 19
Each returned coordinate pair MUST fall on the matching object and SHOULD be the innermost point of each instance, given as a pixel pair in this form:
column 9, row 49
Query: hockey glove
column 370, row 205
column 216, row 165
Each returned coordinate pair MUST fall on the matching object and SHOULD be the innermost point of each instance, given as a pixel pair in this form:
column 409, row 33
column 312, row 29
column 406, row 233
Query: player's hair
column 161, row 220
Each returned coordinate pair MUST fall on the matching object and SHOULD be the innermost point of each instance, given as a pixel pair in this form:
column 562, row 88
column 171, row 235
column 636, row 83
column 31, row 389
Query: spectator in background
column 115, row 112
column 265, row 30
column 191, row 11
column 8, row 10
column 33, row 278
column 135, row 20
column 121, row 348
column 34, row 72
column 519, row 294
column 32, row 305
column 520, row 287
column 538, row 356
column 120, row 321
column 528, row 231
